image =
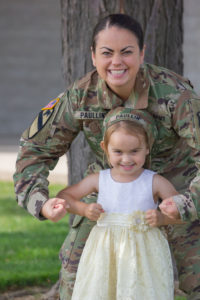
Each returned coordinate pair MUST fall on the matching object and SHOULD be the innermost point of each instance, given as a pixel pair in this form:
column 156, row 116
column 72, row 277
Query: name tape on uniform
column 128, row 116
column 89, row 115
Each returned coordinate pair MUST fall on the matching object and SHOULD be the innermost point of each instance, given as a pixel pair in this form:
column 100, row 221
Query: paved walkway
column 8, row 155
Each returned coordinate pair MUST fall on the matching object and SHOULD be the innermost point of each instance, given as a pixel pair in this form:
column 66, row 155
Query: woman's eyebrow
column 127, row 47
column 107, row 48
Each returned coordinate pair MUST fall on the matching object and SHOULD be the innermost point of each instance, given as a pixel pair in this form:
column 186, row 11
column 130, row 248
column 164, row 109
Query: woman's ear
column 142, row 54
column 93, row 57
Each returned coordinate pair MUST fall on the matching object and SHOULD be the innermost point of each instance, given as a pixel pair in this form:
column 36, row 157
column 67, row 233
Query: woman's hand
column 54, row 209
column 154, row 218
column 169, row 208
column 93, row 211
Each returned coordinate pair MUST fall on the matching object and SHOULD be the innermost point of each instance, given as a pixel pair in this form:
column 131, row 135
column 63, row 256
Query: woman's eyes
column 107, row 53
column 127, row 52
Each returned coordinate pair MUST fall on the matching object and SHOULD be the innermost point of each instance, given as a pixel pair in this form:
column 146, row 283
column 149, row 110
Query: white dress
column 124, row 258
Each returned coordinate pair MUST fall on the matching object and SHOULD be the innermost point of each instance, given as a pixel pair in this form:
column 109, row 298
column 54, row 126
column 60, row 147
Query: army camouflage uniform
column 170, row 99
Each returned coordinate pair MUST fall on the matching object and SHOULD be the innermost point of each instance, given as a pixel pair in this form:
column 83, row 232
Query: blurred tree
column 162, row 25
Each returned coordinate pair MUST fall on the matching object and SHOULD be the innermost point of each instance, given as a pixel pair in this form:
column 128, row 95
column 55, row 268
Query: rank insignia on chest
column 39, row 122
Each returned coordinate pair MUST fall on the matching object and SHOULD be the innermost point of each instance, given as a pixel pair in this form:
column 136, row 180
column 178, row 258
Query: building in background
column 30, row 62
column 191, row 45
column 30, row 59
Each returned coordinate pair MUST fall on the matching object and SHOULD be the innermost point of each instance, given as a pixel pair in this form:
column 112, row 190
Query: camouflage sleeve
column 41, row 145
column 187, row 125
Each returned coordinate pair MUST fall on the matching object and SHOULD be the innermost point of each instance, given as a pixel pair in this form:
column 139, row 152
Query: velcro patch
column 39, row 122
column 51, row 104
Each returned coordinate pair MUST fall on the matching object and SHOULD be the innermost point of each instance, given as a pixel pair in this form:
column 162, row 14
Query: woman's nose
column 116, row 60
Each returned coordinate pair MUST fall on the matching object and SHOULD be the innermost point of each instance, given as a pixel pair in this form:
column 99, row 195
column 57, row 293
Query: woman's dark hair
column 121, row 21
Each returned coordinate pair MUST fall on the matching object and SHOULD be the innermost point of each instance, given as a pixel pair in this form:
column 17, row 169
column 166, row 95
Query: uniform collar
column 138, row 98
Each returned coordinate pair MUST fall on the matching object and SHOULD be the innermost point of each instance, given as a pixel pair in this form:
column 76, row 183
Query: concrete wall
column 30, row 62
column 191, row 46
column 30, row 59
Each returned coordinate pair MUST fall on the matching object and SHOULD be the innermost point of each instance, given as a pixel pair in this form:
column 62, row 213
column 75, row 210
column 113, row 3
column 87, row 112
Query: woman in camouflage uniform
column 121, row 78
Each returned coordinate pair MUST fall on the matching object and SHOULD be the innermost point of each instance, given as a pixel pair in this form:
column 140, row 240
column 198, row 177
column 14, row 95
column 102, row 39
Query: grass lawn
column 28, row 248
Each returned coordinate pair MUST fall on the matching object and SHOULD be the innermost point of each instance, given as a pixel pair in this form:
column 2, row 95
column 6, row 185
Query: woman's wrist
column 171, row 221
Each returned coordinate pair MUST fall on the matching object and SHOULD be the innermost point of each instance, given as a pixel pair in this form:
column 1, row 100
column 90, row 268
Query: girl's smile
column 127, row 167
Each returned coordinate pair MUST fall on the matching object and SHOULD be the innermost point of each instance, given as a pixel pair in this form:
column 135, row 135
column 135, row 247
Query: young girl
column 126, row 256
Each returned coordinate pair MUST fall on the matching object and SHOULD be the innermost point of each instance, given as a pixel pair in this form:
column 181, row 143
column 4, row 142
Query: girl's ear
column 102, row 145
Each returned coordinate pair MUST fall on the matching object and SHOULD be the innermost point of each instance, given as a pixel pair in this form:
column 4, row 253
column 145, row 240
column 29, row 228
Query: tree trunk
column 161, row 21
column 162, row 24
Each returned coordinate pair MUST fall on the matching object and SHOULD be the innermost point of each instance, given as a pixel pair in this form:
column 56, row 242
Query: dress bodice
column 126, row 197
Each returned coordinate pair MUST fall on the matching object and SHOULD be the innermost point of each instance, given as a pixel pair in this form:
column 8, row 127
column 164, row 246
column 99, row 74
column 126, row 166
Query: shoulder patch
column 39, row 122
column 51, row 104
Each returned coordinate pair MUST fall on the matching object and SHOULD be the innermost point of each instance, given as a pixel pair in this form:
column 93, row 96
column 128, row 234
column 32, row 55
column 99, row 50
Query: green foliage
column 29, row 248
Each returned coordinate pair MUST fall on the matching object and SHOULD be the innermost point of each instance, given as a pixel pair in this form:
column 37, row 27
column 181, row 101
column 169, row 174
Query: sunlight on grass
column 29, row 248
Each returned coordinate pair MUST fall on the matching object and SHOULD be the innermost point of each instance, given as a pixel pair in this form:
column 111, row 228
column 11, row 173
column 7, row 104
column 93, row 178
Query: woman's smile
column 117, row 73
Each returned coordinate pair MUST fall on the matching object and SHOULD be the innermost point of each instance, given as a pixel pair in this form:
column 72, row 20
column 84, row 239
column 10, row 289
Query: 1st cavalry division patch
column 42, row 118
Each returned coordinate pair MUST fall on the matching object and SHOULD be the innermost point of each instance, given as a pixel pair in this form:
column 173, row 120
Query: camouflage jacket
column 176, row 152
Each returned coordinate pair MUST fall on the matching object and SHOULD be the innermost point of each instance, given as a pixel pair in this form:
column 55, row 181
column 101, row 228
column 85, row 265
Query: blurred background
column 30, row 77
column 30, row 63
column 30, row 72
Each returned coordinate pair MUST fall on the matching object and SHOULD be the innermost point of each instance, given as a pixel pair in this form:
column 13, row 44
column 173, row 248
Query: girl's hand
column 154, row 218
column 169, row 208
column 93, row 211
column 54, row 209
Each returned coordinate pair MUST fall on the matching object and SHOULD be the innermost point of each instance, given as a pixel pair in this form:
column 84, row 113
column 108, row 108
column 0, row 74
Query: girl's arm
column 163, row 189
column 74, row 193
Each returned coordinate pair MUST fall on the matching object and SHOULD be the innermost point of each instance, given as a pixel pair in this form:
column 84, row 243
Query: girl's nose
column 126, row 158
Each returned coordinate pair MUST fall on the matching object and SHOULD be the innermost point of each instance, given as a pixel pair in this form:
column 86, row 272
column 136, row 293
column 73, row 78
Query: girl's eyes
column 117, row 151
column 134, row 151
